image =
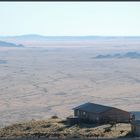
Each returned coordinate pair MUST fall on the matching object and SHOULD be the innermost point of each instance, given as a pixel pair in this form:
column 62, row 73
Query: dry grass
column 58, row 128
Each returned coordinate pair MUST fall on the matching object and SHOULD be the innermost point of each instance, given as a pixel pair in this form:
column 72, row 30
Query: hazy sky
column 70, row 18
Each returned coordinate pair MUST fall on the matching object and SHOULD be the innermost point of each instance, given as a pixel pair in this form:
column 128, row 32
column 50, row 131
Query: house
column 100, row 113
column 135, row 127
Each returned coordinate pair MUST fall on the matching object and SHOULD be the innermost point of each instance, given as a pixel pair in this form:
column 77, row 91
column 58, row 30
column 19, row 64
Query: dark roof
column 93, row 108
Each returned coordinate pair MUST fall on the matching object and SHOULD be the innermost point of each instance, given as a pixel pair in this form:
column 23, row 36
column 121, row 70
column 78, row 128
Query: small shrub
column 54, row 117
column 63, row 121
column 107, row 130
column 46, row 126
column 96, row 135
column 60, row 129
column 87, row 130
column 89, row 135
column 27, row 128
column 122, row 131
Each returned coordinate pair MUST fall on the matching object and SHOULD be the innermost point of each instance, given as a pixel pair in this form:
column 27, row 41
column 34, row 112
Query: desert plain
column 36, row 83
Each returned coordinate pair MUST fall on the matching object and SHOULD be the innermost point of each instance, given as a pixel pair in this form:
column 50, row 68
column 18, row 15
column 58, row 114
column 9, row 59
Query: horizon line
column 41, row 35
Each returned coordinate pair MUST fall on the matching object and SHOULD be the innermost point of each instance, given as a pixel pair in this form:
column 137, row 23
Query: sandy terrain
column 37, row 83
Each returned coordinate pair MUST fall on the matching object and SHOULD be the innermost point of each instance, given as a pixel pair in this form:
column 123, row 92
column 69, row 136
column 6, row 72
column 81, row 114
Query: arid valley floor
column 36, row 83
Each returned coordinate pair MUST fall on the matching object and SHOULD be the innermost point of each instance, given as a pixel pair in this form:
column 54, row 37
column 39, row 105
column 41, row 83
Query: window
column 78, row 112
column 84, row 113
column 97, row 118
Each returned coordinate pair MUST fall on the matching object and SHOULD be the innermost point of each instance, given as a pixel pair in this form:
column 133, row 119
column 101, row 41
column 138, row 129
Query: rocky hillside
column 118, row 55
column 9, row 44
column 58, row 128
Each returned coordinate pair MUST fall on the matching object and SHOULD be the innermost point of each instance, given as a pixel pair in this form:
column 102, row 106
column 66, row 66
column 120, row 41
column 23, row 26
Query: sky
column 70, row 18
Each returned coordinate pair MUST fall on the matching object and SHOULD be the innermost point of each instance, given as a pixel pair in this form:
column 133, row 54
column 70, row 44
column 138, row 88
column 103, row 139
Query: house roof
column 93, row 108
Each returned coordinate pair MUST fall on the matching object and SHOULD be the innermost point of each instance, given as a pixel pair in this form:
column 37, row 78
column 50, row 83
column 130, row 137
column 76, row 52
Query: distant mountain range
column 62, row 38
column 9, row 44
column 118, row 55
column 34, row 40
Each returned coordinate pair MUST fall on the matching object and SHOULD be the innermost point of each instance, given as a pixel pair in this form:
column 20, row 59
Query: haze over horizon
column 70, row 18
column 91, row 35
